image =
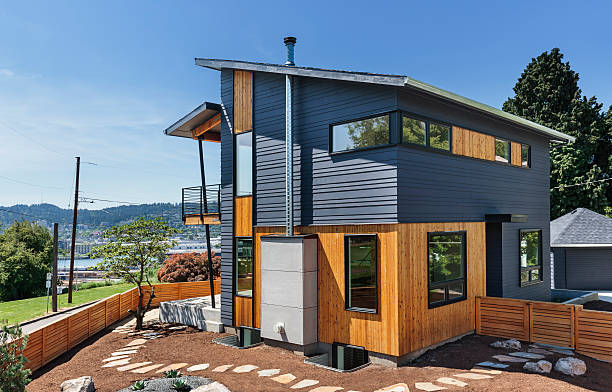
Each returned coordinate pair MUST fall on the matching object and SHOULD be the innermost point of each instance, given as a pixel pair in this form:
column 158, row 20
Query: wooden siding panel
column 515, row 153
column 473, row 144
column 243, row 211
column 243, row 101
column 33, row 351
column 243, row 310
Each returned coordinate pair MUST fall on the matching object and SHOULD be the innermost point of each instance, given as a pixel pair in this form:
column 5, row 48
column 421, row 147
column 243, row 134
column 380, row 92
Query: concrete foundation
column 195, row 312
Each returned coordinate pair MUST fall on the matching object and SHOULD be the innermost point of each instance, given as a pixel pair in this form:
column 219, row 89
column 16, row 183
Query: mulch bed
column 598, row 305
column 196, row 347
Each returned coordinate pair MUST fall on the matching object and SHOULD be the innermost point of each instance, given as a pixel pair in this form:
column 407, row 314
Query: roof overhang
column 203, row 116
column 389, row 80
column 506, row 218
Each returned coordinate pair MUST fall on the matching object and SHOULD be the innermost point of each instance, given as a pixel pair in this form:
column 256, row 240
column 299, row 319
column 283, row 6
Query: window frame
column 235, row 266
column 540, row 257
column 528, row 156
column 330, row 147
column 347, row 280
column 427, row 122
column 447, row 283
column 235, row 163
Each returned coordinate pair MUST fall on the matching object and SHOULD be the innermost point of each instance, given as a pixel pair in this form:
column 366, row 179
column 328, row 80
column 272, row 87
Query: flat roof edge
column 189, row 116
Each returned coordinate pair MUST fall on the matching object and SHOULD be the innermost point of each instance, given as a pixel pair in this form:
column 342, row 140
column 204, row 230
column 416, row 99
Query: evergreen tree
column 548, row 93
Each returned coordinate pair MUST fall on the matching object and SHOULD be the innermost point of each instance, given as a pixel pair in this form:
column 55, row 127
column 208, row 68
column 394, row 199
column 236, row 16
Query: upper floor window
column 502, row 150
column 447, row 267
column 361, row 288
column 439, row 136
column 525, row 155
column 244, row 164
column 425, row 133
column 531, row 256
column 365, row 133
column 413, row 130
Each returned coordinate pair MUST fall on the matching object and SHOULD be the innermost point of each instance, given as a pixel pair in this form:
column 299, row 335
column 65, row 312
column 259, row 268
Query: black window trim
column 235, row 266
column 427, row 121
column 539, row 267
column 447, row 283
column 330, row 147
column 347, row 277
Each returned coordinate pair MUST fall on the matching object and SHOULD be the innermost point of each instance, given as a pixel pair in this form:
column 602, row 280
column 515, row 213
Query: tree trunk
column 139, row 312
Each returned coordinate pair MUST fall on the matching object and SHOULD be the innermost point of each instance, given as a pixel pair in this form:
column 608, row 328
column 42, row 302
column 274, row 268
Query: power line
column 5, row 125
column 582, row 183
column 87, row 199
column 30, row 184
column 24, row 214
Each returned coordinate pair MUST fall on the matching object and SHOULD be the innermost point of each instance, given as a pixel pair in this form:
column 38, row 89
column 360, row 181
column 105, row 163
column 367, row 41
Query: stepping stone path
column 401, row 387
column 117, row 363
column 174, row 366
column 124, row 352
column 521, row 354
column 451, row 381
column 136, row 342
column 245, row 369
column 268, row 372
column 115, row 358
column 222, row 368
column 427, row 386
column 326, row 389
column 486, row 371
column 304, row 384
column 128, row 348
column 284, row 378
column 507, row 358
column 196, row 368
column 147, row 369
column 492, row 365
column 472, row 376
column 133, row 366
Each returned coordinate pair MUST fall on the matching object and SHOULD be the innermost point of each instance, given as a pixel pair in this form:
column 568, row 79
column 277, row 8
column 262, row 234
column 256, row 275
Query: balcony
column 202, row 207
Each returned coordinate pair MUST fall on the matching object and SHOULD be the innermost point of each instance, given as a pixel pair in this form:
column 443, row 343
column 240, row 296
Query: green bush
column 13, row 374
column 139, row 385
column 172, row 374
column 180, row 385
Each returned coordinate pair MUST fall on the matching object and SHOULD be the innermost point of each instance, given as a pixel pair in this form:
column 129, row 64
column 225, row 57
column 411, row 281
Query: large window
column 531, row 256
column 425, row 133
column 370, row 132
column 244, row 267
column 447, row 267
column 502, row 150
column 244, row 164
column 525, row 155
column 360, row 273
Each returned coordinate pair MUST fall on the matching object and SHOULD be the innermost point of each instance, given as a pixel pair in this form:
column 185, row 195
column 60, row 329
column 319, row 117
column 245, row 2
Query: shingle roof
column 581, row 227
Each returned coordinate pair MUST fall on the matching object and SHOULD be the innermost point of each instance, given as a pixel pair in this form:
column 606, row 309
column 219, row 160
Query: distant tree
column 547, row 93
column 133, row 249
column 188, row 267
column 13, row 374
column 26, row 254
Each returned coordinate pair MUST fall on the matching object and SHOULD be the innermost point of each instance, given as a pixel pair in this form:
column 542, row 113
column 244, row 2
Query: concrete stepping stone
column 115, row 358
column 326, row 389
column 539, row 351
column 284, row 378
column 507, row 358
column 136, row 342
column 268, row 372
column 124, row 352
column 196, row 368
column 133, row 366
column 451, row 381
column 472, row 376
column 304, row 384
column 128, row 348
column 147, row 369
column 492, row 365
column 174, row 366
column 222, row 368
column 427, row 386
column 521, row 354
column 486, row 371
column 245, row 368
column 116, row 363
column 401, row 387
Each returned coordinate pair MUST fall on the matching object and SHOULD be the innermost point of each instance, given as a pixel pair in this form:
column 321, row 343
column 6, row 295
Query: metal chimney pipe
column 290, row 44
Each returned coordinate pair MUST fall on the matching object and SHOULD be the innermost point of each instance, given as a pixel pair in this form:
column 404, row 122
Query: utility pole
column 54, row 276
column 74, row 225
column 205, row 199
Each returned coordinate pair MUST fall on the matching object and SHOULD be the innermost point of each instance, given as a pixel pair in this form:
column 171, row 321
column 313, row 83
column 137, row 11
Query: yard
column 190, row 347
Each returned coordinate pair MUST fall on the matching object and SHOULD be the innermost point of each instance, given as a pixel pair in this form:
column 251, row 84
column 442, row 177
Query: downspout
column 289, row 43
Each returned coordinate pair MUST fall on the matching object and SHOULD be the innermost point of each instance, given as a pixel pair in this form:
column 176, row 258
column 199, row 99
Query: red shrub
column 188, row 267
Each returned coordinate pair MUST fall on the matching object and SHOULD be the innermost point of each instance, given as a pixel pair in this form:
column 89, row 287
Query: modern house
column 367, row 209
column 581, row 244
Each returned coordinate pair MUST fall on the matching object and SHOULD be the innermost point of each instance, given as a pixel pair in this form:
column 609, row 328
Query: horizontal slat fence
column 47, row 343
column 588, row 331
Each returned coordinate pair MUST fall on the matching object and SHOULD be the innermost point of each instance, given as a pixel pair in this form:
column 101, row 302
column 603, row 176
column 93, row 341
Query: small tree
column 133, row 249
column 13, row 374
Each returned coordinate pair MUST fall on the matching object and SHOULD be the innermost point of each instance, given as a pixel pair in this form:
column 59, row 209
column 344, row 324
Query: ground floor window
column 447, row 267
column 360, row 258
column 243, row 266
column 531, row 256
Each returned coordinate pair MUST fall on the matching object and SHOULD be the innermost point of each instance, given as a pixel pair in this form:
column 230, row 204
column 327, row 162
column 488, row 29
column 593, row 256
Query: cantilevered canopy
column 204, row 122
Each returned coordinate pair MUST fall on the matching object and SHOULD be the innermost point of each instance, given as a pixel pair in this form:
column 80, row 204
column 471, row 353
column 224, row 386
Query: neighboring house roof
column 390, row 80
column 581, row 228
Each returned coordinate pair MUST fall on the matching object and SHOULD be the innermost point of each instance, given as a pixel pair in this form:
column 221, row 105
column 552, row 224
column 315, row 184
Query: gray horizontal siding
column 559, row 267
column 589, row 269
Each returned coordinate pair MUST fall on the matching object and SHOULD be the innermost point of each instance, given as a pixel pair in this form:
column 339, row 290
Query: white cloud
column 6, row 72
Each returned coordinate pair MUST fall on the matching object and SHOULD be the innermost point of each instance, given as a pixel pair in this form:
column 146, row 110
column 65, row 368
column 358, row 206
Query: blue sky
column 103, row 79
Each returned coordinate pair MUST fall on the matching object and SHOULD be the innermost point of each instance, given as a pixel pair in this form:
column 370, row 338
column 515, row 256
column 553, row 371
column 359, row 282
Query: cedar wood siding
column 438, row 187
column 227, row 198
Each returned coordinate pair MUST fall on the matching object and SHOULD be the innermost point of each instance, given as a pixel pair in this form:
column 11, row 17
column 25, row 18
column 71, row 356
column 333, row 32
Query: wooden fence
column 588, row 331
column 51, row 341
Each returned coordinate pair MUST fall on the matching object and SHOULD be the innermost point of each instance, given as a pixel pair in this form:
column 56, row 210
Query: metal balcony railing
column 197, row 201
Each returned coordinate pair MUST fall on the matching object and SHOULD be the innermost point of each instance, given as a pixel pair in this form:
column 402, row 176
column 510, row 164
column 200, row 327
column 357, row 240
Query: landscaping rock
column 213, row 387
column 521, row 354
column 571, row 366
column 165, row 384
column 538, row 367
column 512, row 344
column 507, row 358
column 81, row 384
